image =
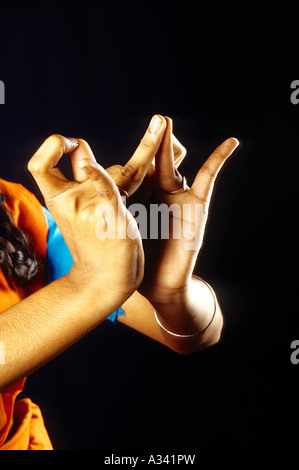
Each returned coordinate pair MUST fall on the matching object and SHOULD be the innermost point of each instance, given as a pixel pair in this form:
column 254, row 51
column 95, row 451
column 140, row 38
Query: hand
column 169, row 262
column 141, row 164
column 113, row 266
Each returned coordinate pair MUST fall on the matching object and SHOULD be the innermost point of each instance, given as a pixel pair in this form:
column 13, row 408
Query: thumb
column 82, row 152
column 204, row 182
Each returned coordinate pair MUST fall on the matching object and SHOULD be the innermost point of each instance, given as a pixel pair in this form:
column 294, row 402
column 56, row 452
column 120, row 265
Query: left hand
column 169, row 262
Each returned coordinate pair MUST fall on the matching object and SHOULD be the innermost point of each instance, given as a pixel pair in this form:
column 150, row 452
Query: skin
column 46, row 323
column 184, row 304
column 49, row 321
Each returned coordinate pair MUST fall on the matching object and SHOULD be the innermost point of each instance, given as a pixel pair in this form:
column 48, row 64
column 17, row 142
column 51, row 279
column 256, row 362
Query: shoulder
column 26, row 210
column 16, row 192
column 16, row 195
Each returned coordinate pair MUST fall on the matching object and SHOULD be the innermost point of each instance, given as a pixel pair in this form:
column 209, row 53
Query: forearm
column 186, row 312
column 46, row 323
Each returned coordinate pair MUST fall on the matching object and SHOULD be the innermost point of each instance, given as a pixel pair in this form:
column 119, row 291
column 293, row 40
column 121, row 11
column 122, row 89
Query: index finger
column 43, row 164
column 136, row 168
column 83, row 151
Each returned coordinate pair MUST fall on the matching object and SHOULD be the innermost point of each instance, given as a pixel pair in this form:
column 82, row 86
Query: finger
column 109, row 203
column 205, row 178
column 104, row 185
column 115, row 172
column 179, row 151
column 83, row 151
column 43, row 164
column 136, row 168
column 168, row 179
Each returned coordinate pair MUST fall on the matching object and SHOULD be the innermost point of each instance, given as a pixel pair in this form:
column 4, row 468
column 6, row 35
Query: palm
column 170, row 260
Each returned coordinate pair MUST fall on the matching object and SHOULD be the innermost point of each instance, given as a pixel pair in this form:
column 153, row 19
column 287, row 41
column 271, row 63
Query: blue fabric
column 59, row 259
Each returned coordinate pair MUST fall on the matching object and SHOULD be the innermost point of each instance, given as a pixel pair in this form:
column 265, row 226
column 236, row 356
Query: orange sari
column 21, row 422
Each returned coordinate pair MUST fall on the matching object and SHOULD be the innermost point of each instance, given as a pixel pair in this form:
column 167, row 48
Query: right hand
column 110, row 266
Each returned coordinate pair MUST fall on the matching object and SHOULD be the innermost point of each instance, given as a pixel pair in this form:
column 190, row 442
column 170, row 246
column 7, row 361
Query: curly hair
column 18, row 259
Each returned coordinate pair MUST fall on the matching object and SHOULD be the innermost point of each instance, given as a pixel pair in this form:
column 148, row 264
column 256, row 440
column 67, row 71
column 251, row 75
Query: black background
column 99, row 71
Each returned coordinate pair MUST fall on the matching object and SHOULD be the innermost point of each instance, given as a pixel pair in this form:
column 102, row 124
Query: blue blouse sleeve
column 59, row 259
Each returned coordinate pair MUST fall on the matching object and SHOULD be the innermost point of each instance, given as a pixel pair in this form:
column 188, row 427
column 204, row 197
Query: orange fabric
column 30, row 431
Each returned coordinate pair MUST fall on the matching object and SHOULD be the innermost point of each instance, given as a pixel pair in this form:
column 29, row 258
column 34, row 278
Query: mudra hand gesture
column 185, row 306
column 168, row 282
column 160, row 296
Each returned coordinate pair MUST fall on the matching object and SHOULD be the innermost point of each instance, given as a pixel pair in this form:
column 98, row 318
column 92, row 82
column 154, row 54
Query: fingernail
column 155, row 124
column 73, row 140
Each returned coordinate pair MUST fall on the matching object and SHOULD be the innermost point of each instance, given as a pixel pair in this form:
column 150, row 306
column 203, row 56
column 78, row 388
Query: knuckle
column 118, row 167
column 114, row 170
column 208, row 171
column 37, row 163
column 130, row 170
column 184, row 151
column 57, row 139
column 35, row 166
column 181, row 151
column 58, row 143
column 84, row 145
column 147, row 144
column 218, row 153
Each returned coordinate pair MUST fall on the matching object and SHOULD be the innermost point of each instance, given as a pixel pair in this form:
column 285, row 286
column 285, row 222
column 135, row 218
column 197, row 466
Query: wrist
column 164, row 298
column 189, row 310
column 95, row 289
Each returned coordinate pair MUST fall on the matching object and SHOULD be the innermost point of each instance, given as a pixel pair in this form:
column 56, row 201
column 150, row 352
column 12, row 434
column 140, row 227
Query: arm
column 190, row 312
column 184, row 304
column 47, row 322
column 139, row 312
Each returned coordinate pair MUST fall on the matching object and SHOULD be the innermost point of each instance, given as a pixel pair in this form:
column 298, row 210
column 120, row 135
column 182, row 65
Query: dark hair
column 18, row 258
